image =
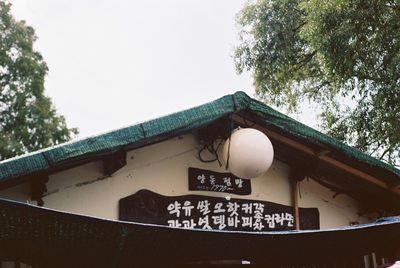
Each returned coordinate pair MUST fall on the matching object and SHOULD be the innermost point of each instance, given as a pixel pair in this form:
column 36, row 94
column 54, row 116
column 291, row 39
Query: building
column 157, row 189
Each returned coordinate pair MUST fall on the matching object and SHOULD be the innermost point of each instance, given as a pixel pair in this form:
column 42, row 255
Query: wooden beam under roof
column 321, row 156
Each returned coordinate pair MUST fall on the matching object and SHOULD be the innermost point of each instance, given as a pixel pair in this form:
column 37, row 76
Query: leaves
column 342, row 54
column 28, row 121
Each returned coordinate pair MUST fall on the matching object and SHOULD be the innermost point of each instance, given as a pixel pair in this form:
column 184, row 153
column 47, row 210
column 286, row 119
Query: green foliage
column 341, row 54
column 28, row 121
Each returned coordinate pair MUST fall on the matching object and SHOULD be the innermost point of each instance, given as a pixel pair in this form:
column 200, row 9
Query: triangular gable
column 59, row 157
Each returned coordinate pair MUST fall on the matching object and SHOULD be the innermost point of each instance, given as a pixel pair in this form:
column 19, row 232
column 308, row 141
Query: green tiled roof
column 181, row 121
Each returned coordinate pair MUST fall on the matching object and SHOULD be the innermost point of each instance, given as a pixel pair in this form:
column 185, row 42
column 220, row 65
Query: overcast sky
column 114, row 63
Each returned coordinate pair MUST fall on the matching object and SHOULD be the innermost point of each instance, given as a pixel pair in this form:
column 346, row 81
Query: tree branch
column 298, row 27
column 385, row 152
column 306, row 59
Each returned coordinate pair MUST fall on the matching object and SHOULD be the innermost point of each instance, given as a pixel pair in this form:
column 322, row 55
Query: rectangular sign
column 204, row 212
column 206, row 180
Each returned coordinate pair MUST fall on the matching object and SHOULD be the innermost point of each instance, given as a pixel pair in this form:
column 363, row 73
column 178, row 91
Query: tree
column 341, row 54
column 28, row 120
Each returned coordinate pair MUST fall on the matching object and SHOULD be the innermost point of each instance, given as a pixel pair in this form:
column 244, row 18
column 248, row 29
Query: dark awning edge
column 46, row 237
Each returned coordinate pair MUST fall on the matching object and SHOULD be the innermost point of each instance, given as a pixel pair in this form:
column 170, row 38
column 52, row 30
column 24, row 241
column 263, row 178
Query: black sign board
column 206, row 180
column 204, row 212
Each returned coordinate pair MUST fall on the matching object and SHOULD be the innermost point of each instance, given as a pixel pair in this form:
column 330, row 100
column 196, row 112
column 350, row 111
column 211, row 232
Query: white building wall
column 163, row 168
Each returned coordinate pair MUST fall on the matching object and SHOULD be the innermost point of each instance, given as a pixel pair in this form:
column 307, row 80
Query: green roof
column 184, row 121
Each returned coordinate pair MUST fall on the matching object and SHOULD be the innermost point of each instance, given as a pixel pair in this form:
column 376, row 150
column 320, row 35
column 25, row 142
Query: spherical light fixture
column 248, row 153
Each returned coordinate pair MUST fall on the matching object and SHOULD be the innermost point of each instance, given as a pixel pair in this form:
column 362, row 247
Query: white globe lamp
column 248, row 153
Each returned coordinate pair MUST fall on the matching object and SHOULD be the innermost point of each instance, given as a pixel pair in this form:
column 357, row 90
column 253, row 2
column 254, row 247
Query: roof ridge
column 187, row 119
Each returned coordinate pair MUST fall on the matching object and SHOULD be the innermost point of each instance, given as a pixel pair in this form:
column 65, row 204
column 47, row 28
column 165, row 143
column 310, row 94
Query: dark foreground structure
column 47, row 238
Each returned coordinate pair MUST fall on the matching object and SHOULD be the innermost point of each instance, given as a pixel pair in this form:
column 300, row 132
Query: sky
column 116, row 63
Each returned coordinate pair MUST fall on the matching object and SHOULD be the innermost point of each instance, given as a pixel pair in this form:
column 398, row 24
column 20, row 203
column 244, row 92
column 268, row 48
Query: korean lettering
column 219, row 220
column 203, row 206
column 174, row 208
column 233, row 221
column 204, row 223
column 206, row 180
column 290, row 219
column 189, row 224
column 206, row 214
column 201, row 178
column 247, row 221
column 270, row 219
column 212, row 179
column 279, row 218
column 187, row 208
column 218, row 208
column 258, row 224
column 233, row 209
column 239, row 183
column 258, row 216
column 247, row 208
column 227, row 181
column 174, row 223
